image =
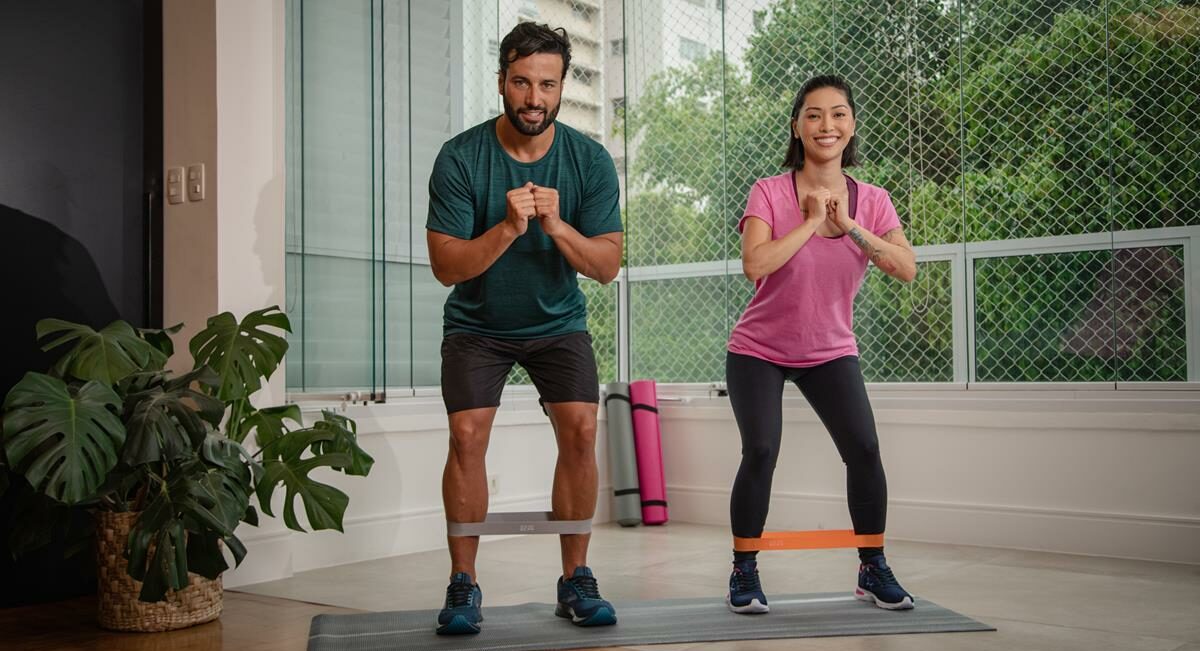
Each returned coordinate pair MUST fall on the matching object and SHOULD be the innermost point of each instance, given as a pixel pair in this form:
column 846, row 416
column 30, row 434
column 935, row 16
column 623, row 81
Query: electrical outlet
column 195, row 182
column 174, row 185
column 493, row 484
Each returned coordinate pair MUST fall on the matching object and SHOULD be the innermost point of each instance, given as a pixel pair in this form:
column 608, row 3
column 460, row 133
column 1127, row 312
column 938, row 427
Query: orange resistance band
column 822, row 539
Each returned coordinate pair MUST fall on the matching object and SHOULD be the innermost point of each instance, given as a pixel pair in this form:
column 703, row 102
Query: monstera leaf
column 64, row 440
column 324, row 504
column 243, row 353
column 158, row 551
column 179, row 530
column 160, row 338
column 167, row 422
column 240, row 473
column 344, row 439
column 267, row 424
column 106, row 356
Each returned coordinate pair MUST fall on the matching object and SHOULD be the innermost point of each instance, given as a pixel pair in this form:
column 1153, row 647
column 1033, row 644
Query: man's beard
column 524, row 127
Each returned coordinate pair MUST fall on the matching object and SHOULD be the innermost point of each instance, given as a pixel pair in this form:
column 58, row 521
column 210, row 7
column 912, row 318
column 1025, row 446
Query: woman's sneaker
column 579, row 599
column 461, row 616
column 876, row 583
column 745, row 592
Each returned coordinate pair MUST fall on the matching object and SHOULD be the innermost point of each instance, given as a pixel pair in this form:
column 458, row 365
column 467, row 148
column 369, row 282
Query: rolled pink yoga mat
column 648, row 442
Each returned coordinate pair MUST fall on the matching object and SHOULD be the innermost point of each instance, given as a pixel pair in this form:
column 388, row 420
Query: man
column 518, row 206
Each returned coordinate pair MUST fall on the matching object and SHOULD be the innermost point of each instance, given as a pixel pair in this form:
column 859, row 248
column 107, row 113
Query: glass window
column 692, row 50
column 1043, row 160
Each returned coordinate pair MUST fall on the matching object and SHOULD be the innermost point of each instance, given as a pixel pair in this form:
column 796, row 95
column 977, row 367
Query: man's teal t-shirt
column 531, row 291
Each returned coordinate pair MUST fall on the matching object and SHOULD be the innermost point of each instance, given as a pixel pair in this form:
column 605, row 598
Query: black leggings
column 835, row 390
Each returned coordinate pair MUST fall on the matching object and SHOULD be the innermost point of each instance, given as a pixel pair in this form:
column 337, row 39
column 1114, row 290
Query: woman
column 807, row 235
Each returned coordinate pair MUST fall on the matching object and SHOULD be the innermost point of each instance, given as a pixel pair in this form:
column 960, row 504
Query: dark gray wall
column 71, row 132
column 78, row 150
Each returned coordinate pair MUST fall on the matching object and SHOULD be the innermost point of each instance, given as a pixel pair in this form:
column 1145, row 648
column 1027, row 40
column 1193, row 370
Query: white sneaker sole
column 755, row 607
column 866, row 595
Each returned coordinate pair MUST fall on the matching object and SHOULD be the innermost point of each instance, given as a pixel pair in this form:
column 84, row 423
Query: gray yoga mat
column 534, row 627
column 622, row 457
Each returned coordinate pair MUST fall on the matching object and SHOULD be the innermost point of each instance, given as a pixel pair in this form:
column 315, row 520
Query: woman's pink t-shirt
column 802, row 314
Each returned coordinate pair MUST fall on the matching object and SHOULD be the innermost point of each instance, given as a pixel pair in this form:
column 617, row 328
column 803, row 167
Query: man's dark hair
column 534, row 38
column 795, row 152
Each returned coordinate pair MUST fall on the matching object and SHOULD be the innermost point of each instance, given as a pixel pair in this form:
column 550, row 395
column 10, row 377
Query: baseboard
column 268, row 557
column 1117, row 535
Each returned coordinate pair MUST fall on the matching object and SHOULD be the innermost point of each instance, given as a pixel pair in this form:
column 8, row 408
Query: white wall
column 1102, row 473
column 1099, row 473
column 397, row 509
column 1110, row 473
column 250, row 161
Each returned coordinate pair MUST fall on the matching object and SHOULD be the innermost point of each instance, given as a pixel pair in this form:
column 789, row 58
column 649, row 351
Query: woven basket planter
column 120, row 609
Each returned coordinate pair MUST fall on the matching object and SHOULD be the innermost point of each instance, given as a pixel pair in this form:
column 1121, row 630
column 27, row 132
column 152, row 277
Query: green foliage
column 680, row 327
column 109, row 427
column 323, row 504
column 63, row 438
column 107, row 356
column 904, row 330
column 1012, row 315
column 242, row 353
column 167, row 421
column 989, row 120
column 602, row 324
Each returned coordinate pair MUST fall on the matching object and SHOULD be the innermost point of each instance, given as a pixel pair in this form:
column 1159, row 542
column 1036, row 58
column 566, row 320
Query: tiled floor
column 1037, row 601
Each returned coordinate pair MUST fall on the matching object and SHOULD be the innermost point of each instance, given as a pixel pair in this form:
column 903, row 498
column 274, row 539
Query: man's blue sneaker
column 461, row 615
column 579, row 598
column 745, row 592
column 876, row 583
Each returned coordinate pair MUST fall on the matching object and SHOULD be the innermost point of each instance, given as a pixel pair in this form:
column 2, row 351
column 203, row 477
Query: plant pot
column 119, row 608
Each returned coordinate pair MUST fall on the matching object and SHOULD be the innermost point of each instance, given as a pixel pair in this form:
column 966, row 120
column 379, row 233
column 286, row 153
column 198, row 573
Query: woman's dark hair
column 534, row 38
column 795, row 151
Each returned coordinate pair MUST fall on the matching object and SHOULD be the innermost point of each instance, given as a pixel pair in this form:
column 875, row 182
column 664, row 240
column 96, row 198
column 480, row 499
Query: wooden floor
column 249, row 623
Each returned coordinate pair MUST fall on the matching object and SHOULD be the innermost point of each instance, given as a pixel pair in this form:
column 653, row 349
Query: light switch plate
column 174, row 185
column 195, row 182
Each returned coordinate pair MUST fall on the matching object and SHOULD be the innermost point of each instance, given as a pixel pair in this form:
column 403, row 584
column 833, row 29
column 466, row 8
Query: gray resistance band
column 518, row 522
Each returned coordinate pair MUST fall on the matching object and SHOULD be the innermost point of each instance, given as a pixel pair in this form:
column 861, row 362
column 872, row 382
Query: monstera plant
column 110, row 427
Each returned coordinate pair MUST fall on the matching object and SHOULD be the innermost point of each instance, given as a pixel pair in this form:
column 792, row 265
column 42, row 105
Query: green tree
column 989, row 120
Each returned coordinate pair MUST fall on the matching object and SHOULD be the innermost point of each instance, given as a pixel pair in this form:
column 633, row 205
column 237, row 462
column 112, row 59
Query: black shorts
column 474, row 368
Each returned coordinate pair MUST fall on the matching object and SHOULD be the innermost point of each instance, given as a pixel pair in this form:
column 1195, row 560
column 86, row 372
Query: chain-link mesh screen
column 1150, row 339
column 1081, row 316
column 678, row 209
column 518, row 376
column 1154, row 120
column 1033, row 95
column 1023, row 307
column 906, row 331
column 679, row 329
column 602, row 324
column 1003, row 126
column 1134, row 315
column 986, row 120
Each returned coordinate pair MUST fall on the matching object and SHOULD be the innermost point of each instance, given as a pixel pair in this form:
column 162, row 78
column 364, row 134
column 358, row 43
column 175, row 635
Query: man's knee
column 469, row 440
column 576, row 433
